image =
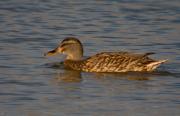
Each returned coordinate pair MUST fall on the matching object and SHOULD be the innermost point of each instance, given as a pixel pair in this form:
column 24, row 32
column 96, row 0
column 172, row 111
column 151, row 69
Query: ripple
column 33, row 85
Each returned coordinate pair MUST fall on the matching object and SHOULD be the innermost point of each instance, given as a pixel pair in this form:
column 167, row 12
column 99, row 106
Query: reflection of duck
column 105, row 61
column 130, row 76
column 69, row 76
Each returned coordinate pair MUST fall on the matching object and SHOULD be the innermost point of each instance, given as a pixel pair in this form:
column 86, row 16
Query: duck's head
column 71, row 47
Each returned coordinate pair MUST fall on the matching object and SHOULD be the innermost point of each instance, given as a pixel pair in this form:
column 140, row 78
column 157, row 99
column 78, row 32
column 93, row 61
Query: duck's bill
column 51, row 53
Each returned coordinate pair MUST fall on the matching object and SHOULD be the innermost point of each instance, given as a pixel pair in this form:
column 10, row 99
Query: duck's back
column 116, row 62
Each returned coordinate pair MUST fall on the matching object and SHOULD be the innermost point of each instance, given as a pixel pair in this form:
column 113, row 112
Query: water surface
column 31, row 85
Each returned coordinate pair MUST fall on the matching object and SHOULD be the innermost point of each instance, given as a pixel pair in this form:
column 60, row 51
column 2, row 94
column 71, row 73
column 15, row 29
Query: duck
column 121, row 61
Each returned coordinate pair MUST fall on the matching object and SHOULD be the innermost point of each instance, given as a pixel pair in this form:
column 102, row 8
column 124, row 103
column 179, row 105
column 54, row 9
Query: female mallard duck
column 105, row 61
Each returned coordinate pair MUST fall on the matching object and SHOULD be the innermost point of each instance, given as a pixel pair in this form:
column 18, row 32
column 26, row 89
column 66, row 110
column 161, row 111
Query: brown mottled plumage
column 105, row 61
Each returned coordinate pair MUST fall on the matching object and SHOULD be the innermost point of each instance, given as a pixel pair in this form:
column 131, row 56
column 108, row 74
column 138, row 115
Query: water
column 31, row 85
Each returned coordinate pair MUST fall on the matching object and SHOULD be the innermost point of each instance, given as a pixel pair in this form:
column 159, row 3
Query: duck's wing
column 147, row 54
column 115, row 61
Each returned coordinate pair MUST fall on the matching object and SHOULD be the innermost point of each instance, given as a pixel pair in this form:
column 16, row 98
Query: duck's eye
column 63, row 49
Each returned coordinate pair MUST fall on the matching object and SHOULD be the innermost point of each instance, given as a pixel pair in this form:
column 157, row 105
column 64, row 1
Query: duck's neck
column 74, row 64
column 75, row 56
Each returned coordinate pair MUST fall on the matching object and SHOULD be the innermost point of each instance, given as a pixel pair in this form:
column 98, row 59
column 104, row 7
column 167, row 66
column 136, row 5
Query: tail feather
column 152, row 66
